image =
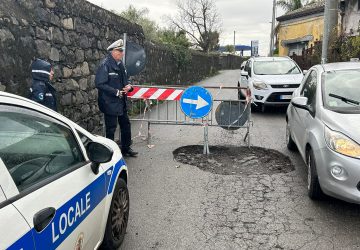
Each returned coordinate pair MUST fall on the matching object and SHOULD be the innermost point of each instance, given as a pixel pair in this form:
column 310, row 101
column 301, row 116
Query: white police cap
column 119, row 44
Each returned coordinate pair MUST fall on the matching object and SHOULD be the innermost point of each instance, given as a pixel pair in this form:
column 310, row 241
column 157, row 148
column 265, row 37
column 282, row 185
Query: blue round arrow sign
column 196, row 102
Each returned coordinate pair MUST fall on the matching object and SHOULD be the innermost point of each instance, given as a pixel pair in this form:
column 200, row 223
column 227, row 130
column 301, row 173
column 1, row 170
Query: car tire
column 256, row 107
column 263, row 108
column 289, row 141
column 118, row 217
column 313, row 185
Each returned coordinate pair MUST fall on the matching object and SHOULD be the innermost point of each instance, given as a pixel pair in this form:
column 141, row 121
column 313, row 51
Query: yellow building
column 299, row 29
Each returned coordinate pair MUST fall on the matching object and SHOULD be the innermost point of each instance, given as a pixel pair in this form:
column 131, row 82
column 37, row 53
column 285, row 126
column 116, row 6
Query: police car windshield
column 284, row 67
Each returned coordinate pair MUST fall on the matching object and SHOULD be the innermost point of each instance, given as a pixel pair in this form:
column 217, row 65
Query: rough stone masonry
column 73, row 36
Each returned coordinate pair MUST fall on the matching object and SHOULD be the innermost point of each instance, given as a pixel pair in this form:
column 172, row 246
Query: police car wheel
column 118, row 217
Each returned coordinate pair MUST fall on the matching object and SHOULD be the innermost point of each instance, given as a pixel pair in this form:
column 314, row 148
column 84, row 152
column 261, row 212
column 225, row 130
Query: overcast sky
column 249, row 19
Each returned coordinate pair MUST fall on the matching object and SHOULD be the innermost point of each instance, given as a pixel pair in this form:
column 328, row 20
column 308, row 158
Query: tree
column 178, row 44
column 179, row 38
column 139, row 16
column 230, row 48
column 291, row 5
column 199, row 19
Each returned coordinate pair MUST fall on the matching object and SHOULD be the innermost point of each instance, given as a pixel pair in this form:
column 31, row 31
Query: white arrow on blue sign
column 196, row 102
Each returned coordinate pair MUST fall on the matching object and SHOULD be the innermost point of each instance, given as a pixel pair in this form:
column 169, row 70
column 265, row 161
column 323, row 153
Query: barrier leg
column 206, row 137
column 148, row 134
column 249, row 125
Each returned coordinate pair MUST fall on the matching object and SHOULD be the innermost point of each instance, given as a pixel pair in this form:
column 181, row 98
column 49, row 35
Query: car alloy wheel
column 309, row 177
column 118, row 217
column 287, row 133
column 289, row 141
column 314, row 188
column 120, row 213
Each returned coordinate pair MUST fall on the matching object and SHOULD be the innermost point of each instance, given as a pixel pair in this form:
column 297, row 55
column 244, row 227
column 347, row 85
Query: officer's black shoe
column 129, row 152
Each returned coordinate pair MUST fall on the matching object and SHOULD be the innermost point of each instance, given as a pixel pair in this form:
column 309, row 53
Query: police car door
column 59, row 195
column 12, row 225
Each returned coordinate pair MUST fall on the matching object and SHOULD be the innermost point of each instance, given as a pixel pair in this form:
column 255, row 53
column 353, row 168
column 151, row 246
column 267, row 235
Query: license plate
column 285, row 97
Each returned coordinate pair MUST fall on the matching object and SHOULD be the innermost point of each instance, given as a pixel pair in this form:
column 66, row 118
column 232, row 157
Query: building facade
column 350, row 17
column 300, row 29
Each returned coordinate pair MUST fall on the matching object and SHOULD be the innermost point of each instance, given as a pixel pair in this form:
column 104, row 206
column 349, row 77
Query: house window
column 296, row 48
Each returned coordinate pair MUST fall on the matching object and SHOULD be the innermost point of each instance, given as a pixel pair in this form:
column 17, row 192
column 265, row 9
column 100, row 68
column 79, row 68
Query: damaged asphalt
column 174, row 205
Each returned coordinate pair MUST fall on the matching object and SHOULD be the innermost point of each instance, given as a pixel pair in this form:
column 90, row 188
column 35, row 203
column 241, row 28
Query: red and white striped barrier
column 156, row 94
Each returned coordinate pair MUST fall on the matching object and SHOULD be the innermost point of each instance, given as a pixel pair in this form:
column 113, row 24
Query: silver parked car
column 323, row 122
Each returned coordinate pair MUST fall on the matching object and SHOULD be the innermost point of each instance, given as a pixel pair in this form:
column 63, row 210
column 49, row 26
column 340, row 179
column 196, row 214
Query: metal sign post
column 196, row 102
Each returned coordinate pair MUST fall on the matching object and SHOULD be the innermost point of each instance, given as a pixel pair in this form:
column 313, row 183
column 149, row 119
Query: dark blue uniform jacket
column 111, row 77
column 41, row 90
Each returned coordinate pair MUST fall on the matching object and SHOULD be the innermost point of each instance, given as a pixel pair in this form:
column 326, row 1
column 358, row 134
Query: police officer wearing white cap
column 112, row 83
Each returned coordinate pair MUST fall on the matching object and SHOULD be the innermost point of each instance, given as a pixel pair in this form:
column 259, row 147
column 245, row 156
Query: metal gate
column 161, row 105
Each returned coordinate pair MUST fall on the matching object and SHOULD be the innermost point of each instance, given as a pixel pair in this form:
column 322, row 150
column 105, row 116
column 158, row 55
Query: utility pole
column 271, row 53
column 234, row 43
column 330, row 25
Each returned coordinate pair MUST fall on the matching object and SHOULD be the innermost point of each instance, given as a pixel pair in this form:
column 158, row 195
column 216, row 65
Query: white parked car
column 60, row 186
column 272, row 80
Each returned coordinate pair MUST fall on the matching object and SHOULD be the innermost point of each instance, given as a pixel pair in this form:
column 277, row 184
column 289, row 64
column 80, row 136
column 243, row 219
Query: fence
column 161, row 105
column 309, row 57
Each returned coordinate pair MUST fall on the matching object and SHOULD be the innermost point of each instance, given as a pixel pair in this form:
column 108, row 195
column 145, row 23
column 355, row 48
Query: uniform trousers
column 125, row 129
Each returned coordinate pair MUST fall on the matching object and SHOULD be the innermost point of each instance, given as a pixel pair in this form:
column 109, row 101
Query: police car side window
column 84, row 139
column 35, row 147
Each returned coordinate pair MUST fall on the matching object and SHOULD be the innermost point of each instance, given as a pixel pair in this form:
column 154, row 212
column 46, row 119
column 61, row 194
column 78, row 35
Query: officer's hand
column 127, row 88
column 119, row 93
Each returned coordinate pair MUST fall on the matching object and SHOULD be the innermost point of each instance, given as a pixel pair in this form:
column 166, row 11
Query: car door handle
column 43, row 218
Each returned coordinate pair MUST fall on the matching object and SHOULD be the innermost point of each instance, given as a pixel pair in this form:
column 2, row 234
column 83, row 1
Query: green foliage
column 139, row 16
column 291, row 5
column 276, row 51
column 178, row 44
column 172, row 37
column 230, row 48
column 349, row 47
column 209, row 41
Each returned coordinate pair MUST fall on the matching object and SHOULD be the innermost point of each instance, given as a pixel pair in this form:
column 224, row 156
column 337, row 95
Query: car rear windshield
column 341, row 90
column 275, row 67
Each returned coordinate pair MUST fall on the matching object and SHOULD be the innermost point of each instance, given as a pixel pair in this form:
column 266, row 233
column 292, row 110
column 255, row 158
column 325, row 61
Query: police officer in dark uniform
column 112, row 82
column 41, row 90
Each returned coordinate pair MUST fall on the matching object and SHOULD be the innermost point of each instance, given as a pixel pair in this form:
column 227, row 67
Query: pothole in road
column 235, row 160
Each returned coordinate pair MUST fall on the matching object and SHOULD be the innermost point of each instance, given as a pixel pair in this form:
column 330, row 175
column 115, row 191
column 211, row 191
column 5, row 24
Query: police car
column 60, row 186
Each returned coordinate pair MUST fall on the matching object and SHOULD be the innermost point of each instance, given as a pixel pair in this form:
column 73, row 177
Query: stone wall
column 162, row 69
column 73, row 36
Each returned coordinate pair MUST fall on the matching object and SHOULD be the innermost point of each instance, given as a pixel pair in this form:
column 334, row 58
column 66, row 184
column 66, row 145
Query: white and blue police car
column 60, row 186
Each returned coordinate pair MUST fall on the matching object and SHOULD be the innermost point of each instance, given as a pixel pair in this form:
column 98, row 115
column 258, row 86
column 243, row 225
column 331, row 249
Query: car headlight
column 341, row 143
column 259, row 85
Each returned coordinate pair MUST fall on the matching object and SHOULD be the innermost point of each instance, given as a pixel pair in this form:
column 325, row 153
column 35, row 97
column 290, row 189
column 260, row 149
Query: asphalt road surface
column 178, row 206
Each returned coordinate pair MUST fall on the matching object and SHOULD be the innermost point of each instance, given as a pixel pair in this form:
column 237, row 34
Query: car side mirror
column 305, row 71
column 98, row 153
column 249, row 72
column 300, row 102
column 244, row 73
